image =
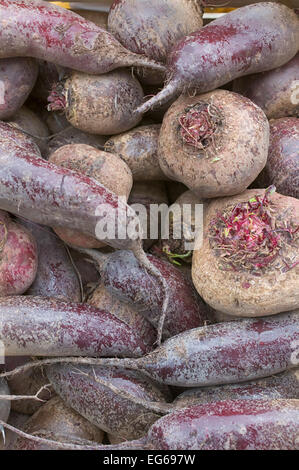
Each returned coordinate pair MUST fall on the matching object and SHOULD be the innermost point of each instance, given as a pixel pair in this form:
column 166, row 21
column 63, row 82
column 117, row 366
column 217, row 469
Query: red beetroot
column 39, row 29
column 282, row 167
column 17, row 78
column 41, row 326
column 19, row 258
column 252, row 39
column 56, row 276
column 124, row 278
column 275, row 91
column 229, row 425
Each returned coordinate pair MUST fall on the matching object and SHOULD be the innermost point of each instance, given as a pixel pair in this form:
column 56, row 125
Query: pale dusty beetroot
column 40, row 326
column 107, row 169
column 285, row 385
column 101, row 104
column 143, row 198
column 17, row 78
column 97, row 393
column 30, row 122
column 45, row 31
column 70, row 135
column 138, row 148
column 204, row 144
column 19, row 257
column 59, row 422
column 265, row 280
column 273, row 91
column 282, row 168
column 56, row 276
column 153, row 28
column 253, row 39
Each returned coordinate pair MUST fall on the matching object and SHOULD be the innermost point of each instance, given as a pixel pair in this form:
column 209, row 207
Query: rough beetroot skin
column 127, row 280
column 55, row 275
column 273, row 91
column 86, row 390
column 222, row 353
column 252, row 39
column 229, row 425
column 41, row 326
column 283, row 385
column 282, row 168
column 18, row 257
column 17, row 78
column 39, row 29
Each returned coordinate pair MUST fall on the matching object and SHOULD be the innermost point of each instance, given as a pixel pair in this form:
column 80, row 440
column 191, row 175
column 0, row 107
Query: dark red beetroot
column 39, row 29
column 274, row 91
column 108, row 397
column 56, row 276
column 283, row 385
column 41, row 326
column 153, row 28
column 126, row 279
column 282, row 168
column 252, row 39
column 229, row 425
column 18, row 257
column 71, row 135
column 17, row 78
column 48, row 74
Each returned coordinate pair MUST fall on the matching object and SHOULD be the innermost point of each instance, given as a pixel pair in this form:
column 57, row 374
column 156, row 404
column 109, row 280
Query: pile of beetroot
column 119, row 342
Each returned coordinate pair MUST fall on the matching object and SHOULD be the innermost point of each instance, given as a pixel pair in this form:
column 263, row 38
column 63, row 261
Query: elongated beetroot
column 39, row 29
column 253, row 39
column 17, row 78
column 229, row 425
column 50, row 327
column 19, row 257
column 283, row 385
column 108, row 397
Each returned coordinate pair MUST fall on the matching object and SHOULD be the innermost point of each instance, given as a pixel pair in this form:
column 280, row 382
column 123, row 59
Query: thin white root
column 27, row 397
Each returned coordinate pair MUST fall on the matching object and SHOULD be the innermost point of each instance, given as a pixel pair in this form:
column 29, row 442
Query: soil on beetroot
column 251, row 237
column 200, row 124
